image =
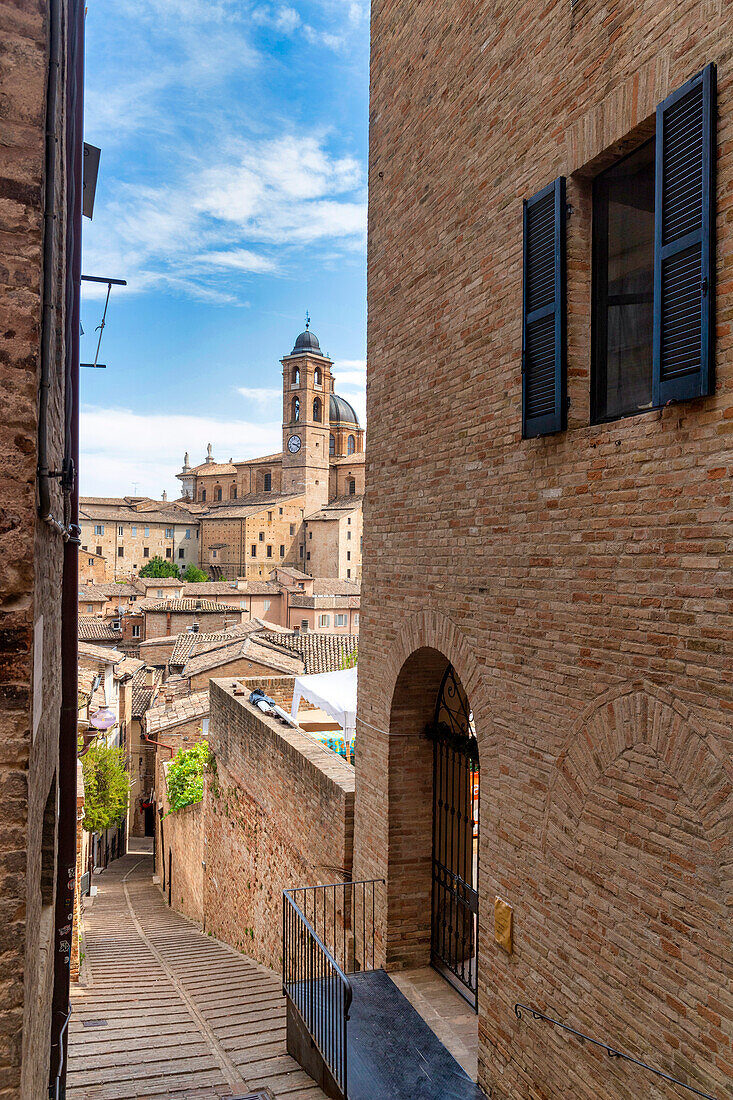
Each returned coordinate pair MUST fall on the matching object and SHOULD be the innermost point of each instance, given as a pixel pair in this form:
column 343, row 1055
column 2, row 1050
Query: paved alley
column 168, row 1013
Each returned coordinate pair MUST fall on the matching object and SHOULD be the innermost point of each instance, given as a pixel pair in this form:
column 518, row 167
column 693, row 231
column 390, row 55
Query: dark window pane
column 623, row 255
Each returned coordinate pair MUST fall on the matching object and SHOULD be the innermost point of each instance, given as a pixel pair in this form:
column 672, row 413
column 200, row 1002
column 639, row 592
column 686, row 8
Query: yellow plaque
column 503, row 914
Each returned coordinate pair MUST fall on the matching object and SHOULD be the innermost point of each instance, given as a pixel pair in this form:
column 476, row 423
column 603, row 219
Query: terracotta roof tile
column 92, row 629
column 185, row 605
column 318, row 652
column 172, row 714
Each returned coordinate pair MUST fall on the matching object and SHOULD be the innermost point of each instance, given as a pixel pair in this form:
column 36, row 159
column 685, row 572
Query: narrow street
column 167, row 1013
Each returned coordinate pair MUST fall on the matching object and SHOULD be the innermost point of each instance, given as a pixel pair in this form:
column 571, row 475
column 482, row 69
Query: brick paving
column 167, row 1013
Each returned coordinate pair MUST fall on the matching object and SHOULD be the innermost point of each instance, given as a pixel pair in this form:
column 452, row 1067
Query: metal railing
column 610, row 1051
column 328, row 933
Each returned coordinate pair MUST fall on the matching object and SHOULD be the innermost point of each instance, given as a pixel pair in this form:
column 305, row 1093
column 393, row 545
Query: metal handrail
column 611, row 1051
column 328, row 933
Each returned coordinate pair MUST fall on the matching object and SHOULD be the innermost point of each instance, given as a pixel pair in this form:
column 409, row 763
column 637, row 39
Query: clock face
column 294, row 444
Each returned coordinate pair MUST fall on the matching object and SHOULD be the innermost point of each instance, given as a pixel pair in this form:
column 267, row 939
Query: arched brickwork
column 636, row 848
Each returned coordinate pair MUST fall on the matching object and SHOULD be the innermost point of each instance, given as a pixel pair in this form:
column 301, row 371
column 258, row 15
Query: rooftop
column 318, row 652
column 92, row 629
column 251, row 649
column 174, row 714
column 204, row 606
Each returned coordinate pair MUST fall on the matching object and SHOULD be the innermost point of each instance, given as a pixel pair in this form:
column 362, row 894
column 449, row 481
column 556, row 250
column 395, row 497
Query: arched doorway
column 454, row 911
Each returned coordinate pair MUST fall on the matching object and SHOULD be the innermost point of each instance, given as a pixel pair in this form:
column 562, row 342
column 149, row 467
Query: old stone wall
column 580, row 583
column 181, row 869
column 278, row 813
column 161, row 624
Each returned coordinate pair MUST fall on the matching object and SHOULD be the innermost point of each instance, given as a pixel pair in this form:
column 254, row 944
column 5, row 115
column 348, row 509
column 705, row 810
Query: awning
column 334, row 692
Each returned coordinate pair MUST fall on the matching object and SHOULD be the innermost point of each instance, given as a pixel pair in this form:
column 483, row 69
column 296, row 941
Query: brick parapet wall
column 572, row 578
column 278, row 813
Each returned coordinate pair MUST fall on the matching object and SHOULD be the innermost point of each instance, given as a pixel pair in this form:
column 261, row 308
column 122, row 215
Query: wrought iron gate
column 455, row 838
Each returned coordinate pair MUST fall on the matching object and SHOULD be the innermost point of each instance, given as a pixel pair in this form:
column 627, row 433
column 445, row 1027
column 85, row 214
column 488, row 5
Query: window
column 623, row 285
column 159, row 593
column 356, row 620
column 300, row 549
column 269, row 551
column 135, row 630
column 269, row 517
column 120, row 531
column 348, row 555
column 348, row 521
column 99, row 551
column 90, row 608
column 304, row 624
column 262, row 536
column 268, row 482
column 188, row 533
column 348, row 574
column 146, row 552
column 243, row 603
column 348, row 536
column 213, row 553
column 350, row 445
column 134, row 529
column 352, row 487
column 169, row 532
column 317, row 409
column 217, row 490
column 332, row 444
column 292, row 528
column 205, row 726
column 146, row 532
column 120, row 551
column 339, row 620
column 280, row 511
column 180, row 552
column 232, row 492
column 169, row 551
column 324, row 620
column 308, row 556
column 91, row 561
column 203, row 494
column 253, row 550
column 266, row 605
column 282, row 551
column 310, row 534
column 295, row 409
column 317, row 377
column 98, row 528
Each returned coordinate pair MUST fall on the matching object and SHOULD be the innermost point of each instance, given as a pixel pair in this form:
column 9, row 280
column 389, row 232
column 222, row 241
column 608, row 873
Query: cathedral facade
column 300, row 507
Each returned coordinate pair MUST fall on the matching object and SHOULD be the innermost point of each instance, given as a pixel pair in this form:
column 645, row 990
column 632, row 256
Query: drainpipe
column 66, row 837
column 160, row 744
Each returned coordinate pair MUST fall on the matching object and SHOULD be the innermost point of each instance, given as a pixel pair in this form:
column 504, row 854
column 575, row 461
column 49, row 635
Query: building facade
column 127, row 532
column 41, row 74
column 553, row 543
column 253, row 512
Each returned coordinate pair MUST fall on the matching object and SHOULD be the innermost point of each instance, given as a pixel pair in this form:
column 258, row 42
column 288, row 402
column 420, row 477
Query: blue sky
column 232, row 197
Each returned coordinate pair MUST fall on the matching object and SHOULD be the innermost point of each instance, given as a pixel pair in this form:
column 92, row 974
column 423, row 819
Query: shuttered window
column 543, row 331
column 684, row 245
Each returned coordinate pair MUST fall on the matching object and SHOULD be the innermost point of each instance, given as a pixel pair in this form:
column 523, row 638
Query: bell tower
column 306, row 388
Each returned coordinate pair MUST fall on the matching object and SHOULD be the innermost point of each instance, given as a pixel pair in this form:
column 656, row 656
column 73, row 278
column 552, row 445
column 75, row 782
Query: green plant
column 106, row 787
column 156, row 567
column 193, row 575
column 186, row 776
column 350, row 660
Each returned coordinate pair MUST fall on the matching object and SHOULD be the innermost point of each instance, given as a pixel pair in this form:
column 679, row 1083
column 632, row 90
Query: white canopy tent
column 333, row 692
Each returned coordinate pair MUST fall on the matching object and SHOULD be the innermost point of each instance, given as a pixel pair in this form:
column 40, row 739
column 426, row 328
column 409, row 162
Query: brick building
column 253, row 512
column 553, row 544
column 41, row 73
column 128, row 531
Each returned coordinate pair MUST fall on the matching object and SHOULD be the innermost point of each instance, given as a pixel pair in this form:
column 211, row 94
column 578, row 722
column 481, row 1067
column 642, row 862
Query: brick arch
column 431, row 630
column 634, row 715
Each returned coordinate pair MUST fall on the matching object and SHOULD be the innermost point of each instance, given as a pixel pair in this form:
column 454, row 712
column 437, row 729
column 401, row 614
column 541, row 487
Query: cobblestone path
column 168, row 1013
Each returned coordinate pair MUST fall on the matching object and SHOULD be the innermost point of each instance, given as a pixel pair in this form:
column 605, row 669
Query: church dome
column 341, row 412
column 307, row 341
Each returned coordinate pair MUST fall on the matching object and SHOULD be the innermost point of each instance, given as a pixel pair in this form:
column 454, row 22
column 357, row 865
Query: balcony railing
column 328, row 933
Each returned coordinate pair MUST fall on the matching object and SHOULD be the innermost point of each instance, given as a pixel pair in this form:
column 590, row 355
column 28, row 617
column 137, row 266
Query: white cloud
column 153, row 448
column 259, row 396
column 220, row 220
column 350, row 372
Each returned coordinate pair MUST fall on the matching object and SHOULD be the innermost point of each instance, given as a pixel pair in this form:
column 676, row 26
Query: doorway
column 454, row 923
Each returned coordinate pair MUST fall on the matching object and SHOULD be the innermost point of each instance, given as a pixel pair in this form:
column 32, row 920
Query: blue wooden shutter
column 543, row 329
column 684, row 242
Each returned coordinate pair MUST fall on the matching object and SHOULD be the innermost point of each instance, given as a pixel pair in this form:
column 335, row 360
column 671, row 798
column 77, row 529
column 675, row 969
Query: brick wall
column 579, row 582
column 31, row 554
column 161, row 624
column 181, row 870
column 278, row 813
